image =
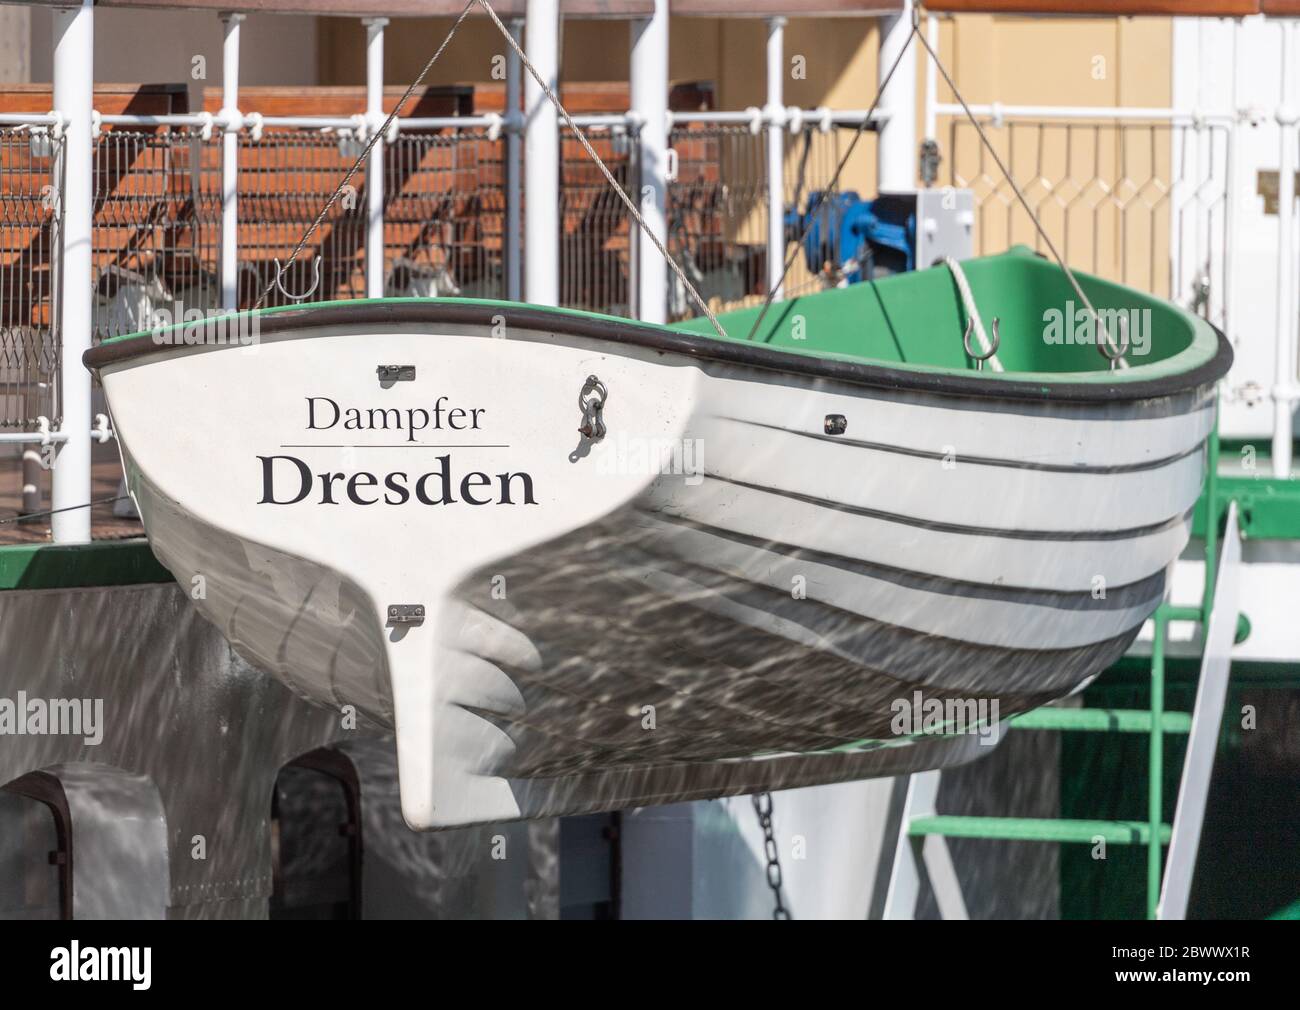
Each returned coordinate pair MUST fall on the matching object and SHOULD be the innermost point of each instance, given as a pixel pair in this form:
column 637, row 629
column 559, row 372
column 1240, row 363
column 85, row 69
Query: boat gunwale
column 488, row 313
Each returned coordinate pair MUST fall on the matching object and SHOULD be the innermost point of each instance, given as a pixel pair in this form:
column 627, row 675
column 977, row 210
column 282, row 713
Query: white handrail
column 996, row 112
column 791, row 116
column 168, row 119
column 31, row 119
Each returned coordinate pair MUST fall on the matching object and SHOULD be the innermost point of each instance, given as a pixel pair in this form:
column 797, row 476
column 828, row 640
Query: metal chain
column 609, row 176
column 356, row 165
column 763, row 808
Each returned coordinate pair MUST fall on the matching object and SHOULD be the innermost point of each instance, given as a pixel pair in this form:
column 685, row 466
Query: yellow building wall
column 1101, row 190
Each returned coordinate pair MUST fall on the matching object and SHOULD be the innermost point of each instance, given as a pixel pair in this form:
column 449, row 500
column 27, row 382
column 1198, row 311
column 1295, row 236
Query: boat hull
column 716, row 597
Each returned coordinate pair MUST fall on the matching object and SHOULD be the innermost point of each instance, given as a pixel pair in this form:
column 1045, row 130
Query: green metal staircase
column 923, row 830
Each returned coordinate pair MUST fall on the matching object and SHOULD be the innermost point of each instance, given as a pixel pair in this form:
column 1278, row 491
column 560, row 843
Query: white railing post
column 542, row 158
column 74, row 98
column 232, row 122
column 514, row 250
column 375, row 163
column 897, row 138
column 775, row 115
column 931, row 80
column 650, row 106
column 1284, row 378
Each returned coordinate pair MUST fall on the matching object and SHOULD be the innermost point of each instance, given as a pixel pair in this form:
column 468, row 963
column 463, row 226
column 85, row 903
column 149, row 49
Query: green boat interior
column 919, row 319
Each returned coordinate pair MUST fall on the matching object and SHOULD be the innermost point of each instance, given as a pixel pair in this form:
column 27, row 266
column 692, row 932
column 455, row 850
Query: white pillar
column 74, row 97
column 775, row 113
column 375, row 163
column 514, row 250
column 650, row 104
column 897, row 138
column 230, row 161
column 1284, row 377
column 542, row 158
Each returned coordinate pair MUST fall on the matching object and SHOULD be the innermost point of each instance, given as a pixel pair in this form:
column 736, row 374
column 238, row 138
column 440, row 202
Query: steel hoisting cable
column 356, row 165
column 1038, row 225
column 609, row 176
column 916, row 33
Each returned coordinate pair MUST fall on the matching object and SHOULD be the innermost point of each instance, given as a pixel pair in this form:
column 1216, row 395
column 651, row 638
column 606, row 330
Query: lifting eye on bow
column 279, row 281
column 591, row 401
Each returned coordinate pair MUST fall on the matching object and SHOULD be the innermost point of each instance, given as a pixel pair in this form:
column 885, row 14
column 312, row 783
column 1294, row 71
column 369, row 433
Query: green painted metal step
column 1101, row 720
column 1036, row 829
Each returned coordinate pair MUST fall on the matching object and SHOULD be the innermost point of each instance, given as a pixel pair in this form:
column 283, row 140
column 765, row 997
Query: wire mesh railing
column 30, row 205
column 285, row 178
column 444, row 215
column 157, row 226
column 718, row 208
column 597, row 254
column 717, row 216
column 156, row 229
column 1142, row 203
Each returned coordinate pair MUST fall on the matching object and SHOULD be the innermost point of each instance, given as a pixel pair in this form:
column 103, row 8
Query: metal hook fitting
column 591, row 401
column 993, row 343
column 279, row 281
column 1111, row 351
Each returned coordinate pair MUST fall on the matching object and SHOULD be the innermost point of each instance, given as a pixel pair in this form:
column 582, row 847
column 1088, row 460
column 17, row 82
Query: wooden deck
column 106, row 474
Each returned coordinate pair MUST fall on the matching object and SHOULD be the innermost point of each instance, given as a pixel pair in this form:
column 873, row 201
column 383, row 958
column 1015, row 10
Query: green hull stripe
column 59, row 566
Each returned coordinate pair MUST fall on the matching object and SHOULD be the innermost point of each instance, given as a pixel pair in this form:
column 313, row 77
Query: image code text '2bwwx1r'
column 875, row 515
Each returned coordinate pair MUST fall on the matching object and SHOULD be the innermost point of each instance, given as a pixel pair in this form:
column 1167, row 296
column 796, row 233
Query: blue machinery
column 850, row 239
column 853, row 238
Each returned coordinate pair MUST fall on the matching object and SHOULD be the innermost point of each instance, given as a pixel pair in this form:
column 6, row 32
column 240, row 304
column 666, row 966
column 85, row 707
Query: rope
column 609, row 176
column 1006, row 174
column 356, row 165
column 972, row 311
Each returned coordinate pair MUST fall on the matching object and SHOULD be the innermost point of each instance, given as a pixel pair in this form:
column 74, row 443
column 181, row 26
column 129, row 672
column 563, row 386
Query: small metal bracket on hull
column 395, row 373
column 401, row 614
column 836, row 424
